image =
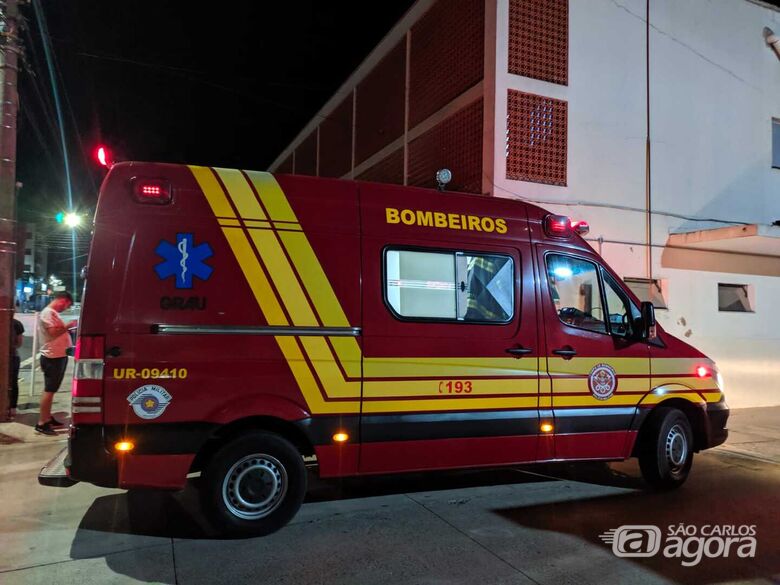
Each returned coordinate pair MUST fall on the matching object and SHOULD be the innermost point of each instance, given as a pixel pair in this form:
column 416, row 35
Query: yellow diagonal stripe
column 271, row 195
column 314, row 279
column 241, row 193
column 213, row 192
column 255, row 276
column 284, row 278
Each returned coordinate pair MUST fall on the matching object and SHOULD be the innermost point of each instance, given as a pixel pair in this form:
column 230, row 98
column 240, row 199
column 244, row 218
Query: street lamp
column 72, row 220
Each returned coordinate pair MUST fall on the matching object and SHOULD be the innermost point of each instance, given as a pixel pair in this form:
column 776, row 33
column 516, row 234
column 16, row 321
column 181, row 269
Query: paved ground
column 534, row 524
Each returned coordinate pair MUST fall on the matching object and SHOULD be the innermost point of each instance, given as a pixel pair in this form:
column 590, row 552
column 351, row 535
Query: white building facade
column 656, row 121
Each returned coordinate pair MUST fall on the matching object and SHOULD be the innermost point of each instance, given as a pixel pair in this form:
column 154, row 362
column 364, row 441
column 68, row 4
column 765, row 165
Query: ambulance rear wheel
column 254, row 485
column 666, row 455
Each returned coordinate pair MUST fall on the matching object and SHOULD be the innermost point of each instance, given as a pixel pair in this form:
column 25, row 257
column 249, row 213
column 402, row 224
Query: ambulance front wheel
column 666, row 452
column 253, row 485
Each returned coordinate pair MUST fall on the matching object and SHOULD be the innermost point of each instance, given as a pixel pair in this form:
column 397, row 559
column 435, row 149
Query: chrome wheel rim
column 676, row 447
column 254, row 486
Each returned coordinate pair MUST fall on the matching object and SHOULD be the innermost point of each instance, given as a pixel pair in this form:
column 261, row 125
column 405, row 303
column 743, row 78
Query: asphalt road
column 535, row 524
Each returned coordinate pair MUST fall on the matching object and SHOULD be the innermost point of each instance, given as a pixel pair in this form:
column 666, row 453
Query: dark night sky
column 228, row 85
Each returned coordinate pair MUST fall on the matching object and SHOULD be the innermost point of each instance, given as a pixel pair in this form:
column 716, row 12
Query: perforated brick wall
column 388, row 170
column 379, row 114
column 336, row 141
column 447, row 55
column 455, row 143
column 539, row 39
column 306, row 156
column 286, row 166
column 536, row 138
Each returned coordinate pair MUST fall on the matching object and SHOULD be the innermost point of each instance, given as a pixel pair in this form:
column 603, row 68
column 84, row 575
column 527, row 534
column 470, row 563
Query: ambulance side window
column 451, row 286
column 574, row 288
column 622, row 312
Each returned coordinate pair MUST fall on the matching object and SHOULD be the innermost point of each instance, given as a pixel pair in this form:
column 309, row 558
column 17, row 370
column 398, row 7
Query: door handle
column 114, row 352
column 519, row 351
column 567, row 351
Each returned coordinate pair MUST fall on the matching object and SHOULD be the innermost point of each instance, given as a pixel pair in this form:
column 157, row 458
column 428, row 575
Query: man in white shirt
column 55, row 341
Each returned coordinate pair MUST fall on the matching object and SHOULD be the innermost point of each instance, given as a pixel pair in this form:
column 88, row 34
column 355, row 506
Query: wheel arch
column 227, row 432
column 695, row 413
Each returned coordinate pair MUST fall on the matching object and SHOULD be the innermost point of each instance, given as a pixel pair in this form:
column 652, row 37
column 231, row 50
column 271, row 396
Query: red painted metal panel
column 539, row 39
column 536, row 149
column 455, row 143
column 447, row 55
column 446, row 453
column 388, row 170
column 337, row 460
column 156, row 471
column 605, row 445
column 336, row 141
column 306, row 156
column 379, row 110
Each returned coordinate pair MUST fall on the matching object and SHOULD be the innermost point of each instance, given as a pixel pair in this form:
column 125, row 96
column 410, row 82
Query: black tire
column 253, row 485
column 666, row 451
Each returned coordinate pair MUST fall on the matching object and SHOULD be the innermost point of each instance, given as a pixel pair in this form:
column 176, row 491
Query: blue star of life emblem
column 184, row 260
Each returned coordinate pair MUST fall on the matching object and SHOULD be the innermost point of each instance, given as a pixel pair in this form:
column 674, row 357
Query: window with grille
column 539, row 39
column 536, row 138
column 735, row 298
column 651, row 290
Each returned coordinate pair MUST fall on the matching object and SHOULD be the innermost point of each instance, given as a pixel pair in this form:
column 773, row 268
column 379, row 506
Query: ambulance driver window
column 574, row 287
column 450, row 285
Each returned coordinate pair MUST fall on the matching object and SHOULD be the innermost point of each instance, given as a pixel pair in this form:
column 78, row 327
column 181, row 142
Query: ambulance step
column 54, row 474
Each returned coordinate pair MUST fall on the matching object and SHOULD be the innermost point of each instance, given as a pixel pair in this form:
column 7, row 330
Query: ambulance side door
column 440, row 389
column 598, row 368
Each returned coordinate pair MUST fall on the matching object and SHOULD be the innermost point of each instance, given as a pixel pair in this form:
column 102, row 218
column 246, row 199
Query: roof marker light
column 703, row 372
column 557, row 226
column 580, row 227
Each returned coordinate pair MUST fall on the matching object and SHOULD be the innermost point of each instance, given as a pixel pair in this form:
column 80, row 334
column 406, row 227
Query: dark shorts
column 53, row 372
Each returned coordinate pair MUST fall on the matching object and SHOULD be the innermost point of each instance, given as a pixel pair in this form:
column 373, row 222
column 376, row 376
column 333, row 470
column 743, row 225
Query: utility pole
column 9, row 106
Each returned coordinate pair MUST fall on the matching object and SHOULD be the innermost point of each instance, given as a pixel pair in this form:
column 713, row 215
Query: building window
column 536, row 138
column 776, row 143
column 651, row 290
column 736, row 298
column 539, row 39
column 451, row 286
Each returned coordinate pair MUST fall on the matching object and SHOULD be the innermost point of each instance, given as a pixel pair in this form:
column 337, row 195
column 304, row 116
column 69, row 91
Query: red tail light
column 154, row 191
column 87, row 389
column 90, row 346
column 703, row 372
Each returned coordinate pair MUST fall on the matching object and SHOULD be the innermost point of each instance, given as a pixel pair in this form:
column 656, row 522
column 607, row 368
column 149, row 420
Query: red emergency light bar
column 154, row 191
column 561, row 226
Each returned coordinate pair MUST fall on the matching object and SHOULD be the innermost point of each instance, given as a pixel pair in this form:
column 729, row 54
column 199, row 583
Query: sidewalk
column 21, row 429
column 753, row 432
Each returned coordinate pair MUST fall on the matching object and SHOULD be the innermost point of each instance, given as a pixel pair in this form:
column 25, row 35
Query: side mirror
column 648, row 320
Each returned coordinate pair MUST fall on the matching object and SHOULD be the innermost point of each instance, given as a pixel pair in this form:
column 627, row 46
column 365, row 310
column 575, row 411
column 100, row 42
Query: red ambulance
column 235, row 322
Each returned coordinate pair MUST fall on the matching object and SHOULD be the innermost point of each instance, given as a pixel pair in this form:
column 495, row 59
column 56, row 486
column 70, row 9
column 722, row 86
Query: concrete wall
column 714, row 87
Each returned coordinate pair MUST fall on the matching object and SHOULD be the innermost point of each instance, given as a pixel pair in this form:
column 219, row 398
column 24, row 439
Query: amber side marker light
column 546, row 427
column 340, row 437
column 124, row 446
